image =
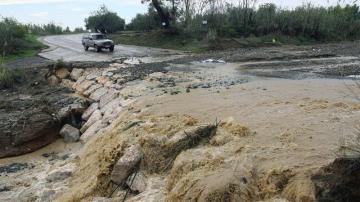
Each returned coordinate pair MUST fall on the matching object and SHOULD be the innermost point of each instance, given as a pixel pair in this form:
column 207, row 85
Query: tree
column 145, row 22
column 104, row 21
column 163, row 11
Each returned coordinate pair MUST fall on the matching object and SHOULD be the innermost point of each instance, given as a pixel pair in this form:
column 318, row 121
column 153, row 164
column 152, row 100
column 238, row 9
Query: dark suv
column 97, row 41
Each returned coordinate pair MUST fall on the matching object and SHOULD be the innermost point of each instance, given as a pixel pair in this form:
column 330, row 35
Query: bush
column 15, row 38
column 9, row 77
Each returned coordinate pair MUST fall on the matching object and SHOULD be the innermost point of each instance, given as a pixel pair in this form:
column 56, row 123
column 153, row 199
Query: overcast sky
column 73, row 12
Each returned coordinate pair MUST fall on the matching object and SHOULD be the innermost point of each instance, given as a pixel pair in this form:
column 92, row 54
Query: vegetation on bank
column 218, row 24
column 20, row 40
column 9, row 77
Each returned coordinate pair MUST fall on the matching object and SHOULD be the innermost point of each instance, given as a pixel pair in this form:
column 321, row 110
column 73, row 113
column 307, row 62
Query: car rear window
column 99, row 36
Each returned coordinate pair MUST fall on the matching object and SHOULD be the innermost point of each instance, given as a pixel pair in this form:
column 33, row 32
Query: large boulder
column 137, row 182
column 76, row 73
column 89, row 111
column 92, row 131
column 96, row 116
column 108, row 97
column 83, row 86
column 62, row 73
column 126, row 164
column 53, row 80
column 92, row 89
column 98, row 94
column 70, row 133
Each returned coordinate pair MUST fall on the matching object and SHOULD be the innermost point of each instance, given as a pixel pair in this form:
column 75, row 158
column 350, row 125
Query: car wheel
column 86, row 48
column 111, row 49
column 98, row 49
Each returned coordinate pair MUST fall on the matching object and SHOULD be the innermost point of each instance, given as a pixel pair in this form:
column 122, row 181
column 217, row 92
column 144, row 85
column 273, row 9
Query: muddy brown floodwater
column 263, row 126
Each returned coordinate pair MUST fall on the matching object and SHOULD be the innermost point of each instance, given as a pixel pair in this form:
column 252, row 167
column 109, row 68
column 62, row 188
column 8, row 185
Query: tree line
column 245, row 19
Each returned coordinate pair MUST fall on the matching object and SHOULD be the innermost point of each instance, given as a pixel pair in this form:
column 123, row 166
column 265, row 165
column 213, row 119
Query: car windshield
column 99, row 36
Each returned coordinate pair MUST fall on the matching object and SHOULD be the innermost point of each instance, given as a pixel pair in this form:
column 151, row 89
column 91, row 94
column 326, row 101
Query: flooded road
column 282, row 114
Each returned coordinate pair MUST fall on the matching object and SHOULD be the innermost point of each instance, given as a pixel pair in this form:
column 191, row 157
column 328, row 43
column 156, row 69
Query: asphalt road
column 69, row 48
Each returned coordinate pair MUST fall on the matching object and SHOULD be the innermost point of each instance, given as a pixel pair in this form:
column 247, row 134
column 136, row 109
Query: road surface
column 69, row 48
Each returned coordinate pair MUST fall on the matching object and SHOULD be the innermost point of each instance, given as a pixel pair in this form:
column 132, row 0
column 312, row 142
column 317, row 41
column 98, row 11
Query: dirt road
column 69, row 48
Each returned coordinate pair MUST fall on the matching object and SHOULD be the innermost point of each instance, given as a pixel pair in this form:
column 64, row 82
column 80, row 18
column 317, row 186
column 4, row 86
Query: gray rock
column 93, row 75
column 47, row 195
column 125, row 165
column 109, row 84
column 67, row 83
column 89, row 111
column 91, row 89
column 138, row 183
column 111, row 105
column 95, row 116
column 76, row 73
column 98, row 94
column 58, row 176
column 101, row 199
column 69, row 133
column 83, row 86
column 111, row 114
column 109, row 96
column 92, row 131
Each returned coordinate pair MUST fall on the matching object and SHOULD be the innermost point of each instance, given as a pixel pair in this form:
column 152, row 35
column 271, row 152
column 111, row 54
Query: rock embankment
column 101, row 86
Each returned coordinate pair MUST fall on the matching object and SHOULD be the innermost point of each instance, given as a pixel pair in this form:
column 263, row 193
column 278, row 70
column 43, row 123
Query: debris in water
column 213, row 61
column 15, row 167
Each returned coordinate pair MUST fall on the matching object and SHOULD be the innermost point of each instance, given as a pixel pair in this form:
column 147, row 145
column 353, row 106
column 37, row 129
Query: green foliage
column 104, row 21
column 60, row 63
column 79, row 30
column 145, row 22
column 8, row 77
column 46, row 29
column 161, row 39
column 302, row 24
column 15, row 39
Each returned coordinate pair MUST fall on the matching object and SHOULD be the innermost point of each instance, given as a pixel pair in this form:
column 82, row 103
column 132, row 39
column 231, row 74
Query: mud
column 338, row 181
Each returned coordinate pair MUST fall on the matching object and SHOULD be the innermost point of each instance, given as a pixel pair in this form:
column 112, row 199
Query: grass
column 159, row 39
column 9, row 77
column 31, row 48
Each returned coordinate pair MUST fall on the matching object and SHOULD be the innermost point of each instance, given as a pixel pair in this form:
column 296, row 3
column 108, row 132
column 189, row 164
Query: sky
column 73, row 12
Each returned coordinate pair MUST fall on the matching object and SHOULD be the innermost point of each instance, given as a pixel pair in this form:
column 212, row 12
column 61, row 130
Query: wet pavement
column 70, row 49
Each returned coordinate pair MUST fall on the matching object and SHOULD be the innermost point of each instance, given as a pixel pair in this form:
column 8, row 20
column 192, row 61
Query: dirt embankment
column 33, row 112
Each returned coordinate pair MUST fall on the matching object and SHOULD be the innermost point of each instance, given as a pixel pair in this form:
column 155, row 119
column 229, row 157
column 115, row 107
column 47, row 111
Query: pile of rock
column 101, row 86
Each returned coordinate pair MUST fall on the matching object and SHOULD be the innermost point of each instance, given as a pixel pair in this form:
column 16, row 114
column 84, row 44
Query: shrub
column 9, row 77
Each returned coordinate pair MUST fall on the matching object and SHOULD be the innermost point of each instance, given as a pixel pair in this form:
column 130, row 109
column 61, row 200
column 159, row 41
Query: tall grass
column 15, row 39
column 9, row 77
